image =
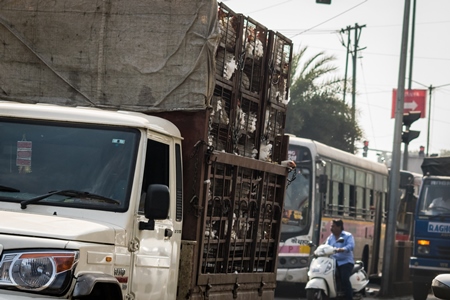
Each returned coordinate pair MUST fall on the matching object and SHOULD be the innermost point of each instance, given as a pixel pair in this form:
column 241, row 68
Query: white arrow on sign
column 410, row 105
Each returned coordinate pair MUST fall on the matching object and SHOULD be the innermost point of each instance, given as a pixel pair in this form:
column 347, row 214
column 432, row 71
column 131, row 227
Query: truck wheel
column 420, row 290
column 315, row 294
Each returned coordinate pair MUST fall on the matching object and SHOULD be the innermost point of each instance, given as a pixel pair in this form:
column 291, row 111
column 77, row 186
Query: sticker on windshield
column 118, row 141
column 23, row 157
column 438, row 227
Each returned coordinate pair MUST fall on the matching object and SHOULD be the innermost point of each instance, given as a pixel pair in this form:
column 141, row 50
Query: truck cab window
column 156, row 167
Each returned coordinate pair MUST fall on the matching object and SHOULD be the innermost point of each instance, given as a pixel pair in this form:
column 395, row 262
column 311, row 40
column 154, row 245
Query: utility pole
column 394, row 178
column 354, row 53
column 346, row 59
column 430, row 93
column 411, row 58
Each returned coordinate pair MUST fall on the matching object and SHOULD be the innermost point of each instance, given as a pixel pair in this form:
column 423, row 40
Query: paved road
column 371, row 294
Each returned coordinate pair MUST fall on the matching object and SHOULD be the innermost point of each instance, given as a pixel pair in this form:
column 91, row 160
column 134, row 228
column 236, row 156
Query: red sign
column 415, row 100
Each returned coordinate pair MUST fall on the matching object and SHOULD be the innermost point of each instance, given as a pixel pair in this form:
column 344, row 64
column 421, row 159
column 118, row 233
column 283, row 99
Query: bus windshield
column 296, row 212
column 435, row 198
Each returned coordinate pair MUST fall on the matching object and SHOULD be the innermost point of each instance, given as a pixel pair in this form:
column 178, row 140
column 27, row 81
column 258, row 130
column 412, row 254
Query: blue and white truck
column 431, row 236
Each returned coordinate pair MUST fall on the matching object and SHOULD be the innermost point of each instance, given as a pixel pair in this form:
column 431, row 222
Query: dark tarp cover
column 439, row 166
column 146, row 56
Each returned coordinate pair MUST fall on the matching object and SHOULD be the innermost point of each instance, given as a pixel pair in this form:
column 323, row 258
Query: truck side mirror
column 323, row 183
column 156, row 207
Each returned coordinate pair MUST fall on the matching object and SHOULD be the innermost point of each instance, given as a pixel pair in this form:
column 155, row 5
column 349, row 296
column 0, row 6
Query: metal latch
column 134, row 245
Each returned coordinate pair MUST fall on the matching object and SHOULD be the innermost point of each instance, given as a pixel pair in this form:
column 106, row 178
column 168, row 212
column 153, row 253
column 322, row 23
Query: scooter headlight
column 45, row 272
column 328, row 267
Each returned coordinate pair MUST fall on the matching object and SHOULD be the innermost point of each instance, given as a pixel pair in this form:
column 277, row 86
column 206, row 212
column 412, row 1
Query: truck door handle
column 168, row 233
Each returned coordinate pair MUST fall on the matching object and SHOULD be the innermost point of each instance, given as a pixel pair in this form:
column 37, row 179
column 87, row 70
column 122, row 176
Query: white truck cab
column 90, row 203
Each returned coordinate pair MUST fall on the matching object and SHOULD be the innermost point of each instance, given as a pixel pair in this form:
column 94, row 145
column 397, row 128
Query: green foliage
column 316, row 110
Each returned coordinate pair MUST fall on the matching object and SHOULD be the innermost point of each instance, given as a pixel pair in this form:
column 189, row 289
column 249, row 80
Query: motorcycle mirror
column 340, row 240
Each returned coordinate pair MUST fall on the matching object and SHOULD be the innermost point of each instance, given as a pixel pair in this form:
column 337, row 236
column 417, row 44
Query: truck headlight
column 423, row 246
column 423, row 249
column 47, row 272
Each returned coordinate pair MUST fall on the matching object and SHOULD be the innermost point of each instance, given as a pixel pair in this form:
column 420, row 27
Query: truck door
column 156, row 255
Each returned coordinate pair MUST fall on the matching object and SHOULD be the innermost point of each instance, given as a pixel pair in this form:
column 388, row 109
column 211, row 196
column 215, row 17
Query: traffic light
column 408, row 119
column 365, row 148
column 323, row 1
column 409, row 135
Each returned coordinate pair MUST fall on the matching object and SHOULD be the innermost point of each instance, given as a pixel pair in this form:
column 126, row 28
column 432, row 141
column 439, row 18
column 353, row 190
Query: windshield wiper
column 70, row 193
column 8, row 189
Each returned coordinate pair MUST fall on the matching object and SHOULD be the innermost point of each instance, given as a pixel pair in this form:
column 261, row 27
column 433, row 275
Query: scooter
column 322, row 276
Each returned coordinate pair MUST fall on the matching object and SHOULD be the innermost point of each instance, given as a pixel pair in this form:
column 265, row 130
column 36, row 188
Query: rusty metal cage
column 242, row 215
column 230, row 24
column 274, row 125
column 279, row 68
column 252, row 56
column 220, row 121
column 246, row 127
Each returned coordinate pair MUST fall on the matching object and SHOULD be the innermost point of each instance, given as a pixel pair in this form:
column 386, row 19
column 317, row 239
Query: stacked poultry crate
column 244, row 182
column 252, row 84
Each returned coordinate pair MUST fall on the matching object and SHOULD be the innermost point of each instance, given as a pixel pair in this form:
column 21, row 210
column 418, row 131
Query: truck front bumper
column 8, row 295
column 299, row 275
column 425, row 269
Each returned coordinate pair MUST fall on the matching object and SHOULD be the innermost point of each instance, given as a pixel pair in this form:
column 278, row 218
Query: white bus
column 330, row 184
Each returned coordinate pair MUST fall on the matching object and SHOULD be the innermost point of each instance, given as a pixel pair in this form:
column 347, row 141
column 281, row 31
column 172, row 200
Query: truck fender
column 86, row 282
column 317, row 283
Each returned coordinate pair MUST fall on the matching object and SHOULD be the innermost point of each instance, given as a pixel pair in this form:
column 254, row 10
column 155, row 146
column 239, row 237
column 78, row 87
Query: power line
column 338, row 15
column 264, row 8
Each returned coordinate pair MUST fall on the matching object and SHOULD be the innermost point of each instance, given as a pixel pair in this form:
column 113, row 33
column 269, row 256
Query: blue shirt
column 348, row 244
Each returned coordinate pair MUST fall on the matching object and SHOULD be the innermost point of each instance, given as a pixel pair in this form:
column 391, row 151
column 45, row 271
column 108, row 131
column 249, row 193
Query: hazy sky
column 318, row 26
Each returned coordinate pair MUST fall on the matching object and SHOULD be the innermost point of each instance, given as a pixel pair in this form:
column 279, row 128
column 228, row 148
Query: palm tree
column 316, row 109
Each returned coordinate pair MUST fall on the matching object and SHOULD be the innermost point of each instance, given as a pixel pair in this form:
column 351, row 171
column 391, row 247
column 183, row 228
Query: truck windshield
column 78, row 166
column 434, row 199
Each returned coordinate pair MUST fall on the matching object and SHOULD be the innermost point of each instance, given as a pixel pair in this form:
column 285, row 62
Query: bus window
column 370, row 212
column 359, row 202
column 338, row 189
column 349, row 201
column 340, row 199
column 360, row 193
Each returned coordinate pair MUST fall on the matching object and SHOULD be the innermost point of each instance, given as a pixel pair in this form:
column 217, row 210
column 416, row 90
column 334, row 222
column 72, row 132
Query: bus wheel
column 315, row 294
column 420, row 290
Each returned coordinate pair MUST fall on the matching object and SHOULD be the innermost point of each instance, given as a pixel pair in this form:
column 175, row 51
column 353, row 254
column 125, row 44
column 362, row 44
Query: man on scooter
column 344, row 255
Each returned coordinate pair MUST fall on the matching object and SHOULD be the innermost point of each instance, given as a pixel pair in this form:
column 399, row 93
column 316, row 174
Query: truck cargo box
column 221, row 77
column 437, row 166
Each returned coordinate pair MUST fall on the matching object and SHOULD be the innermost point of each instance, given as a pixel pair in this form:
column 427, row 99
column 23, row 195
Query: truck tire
column 420, row 290
column 315, row 294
